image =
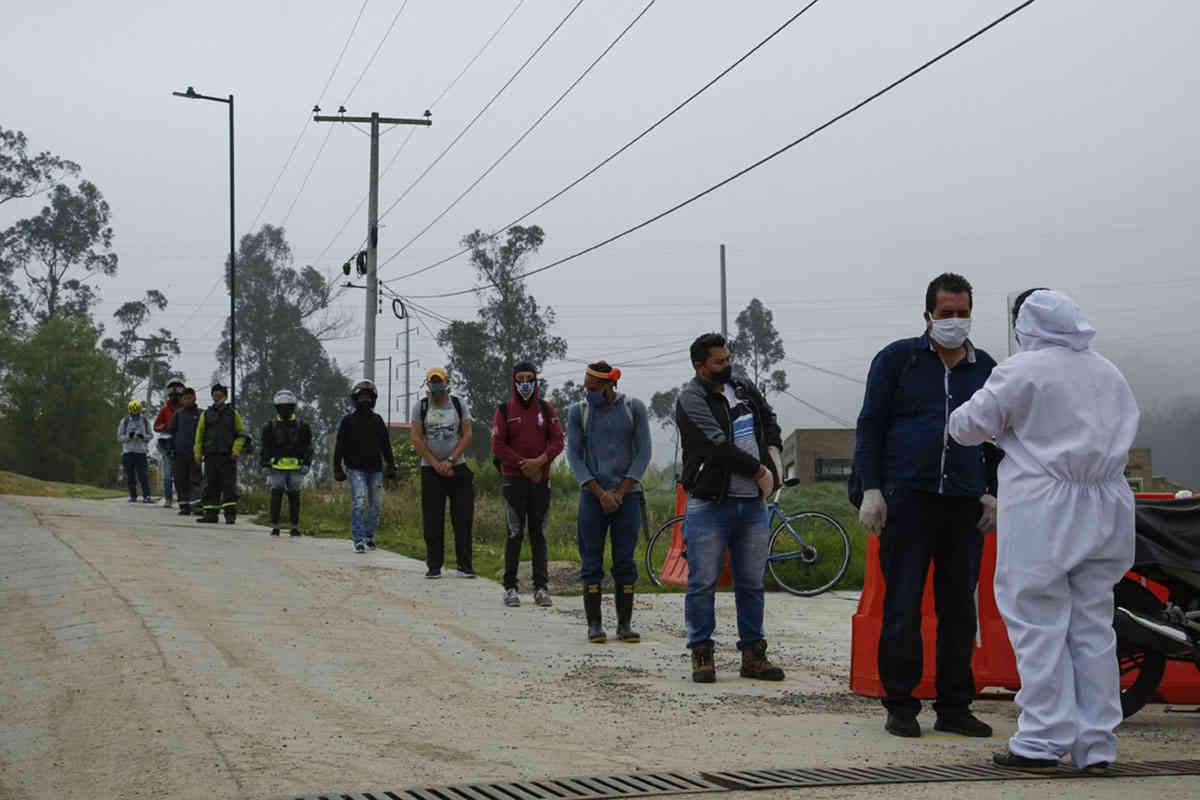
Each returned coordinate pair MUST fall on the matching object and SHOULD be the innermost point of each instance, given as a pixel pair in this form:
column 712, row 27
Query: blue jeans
column 366, row 501
column 167, row 467
column 594, row 524
column 709, row 530
column 137, row 472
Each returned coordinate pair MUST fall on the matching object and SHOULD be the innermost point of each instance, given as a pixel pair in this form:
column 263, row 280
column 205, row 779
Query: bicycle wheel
column 809, row 553
column 657, row 547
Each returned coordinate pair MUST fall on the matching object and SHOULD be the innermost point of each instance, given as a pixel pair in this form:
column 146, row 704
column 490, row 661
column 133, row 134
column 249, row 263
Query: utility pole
column 724, row 309
column 372, row 308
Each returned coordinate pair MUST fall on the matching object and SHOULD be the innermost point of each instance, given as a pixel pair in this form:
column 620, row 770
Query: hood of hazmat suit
column 1065, row 418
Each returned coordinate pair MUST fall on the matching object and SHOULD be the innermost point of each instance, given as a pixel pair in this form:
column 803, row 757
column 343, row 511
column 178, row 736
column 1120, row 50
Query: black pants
column 459, row 489
column 921, row 528
column 526, row 504
column 220, row 491
column 187, row 479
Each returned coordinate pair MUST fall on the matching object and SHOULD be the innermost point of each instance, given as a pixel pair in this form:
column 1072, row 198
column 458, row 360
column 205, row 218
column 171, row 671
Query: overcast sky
column 1059, row 149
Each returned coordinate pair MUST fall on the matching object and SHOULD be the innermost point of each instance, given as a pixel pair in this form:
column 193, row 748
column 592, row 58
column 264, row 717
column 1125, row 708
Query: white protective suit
column 1065, row 418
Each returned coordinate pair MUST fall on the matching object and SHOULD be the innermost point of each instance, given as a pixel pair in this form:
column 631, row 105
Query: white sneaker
column 511, row 598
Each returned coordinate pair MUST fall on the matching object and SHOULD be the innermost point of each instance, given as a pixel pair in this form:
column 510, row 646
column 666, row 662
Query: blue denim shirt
column 902, row 439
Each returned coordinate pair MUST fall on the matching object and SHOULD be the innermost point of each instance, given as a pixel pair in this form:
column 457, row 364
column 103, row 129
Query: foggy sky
column 1059, row 150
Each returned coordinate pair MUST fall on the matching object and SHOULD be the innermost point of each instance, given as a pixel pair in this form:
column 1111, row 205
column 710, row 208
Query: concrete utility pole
column 724, row 309
column 407, row 371
column 372, row 308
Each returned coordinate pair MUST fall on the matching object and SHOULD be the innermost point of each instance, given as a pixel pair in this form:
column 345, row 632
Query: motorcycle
column 1151, row 631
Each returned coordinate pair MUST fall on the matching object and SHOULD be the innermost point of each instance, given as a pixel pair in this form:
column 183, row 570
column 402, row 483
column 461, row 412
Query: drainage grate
column 750, row 779
column 649, row 784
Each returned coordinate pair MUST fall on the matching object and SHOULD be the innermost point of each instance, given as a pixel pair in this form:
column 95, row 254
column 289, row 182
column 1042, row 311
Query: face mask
column 950, row 333
column 365, row 405
column 438, row 389
column 526, row 389
column 723, row 375
column 596, row 399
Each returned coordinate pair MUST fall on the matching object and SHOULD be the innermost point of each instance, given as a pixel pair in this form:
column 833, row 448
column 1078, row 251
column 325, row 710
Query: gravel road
column 144, row 655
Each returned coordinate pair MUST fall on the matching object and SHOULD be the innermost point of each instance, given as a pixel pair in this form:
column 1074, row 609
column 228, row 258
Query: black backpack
column 425, row 408
column 503, row 409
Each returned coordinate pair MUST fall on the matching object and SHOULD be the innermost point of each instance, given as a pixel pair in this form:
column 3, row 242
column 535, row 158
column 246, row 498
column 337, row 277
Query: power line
column 431, row 106
column 378, row 47
column 821, row 411
column 756, row 164
column 481, row 112
column 621, row 149
column 812, row 366
column 307, row 120
column 524, row 135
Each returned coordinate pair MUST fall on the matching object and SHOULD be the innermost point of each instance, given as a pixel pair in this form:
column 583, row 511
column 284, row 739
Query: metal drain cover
column 648, row 784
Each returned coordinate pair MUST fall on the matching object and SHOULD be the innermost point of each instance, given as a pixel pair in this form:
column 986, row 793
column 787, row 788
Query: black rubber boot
column 230, row 516
column 276, row 506
column 210, row 516
column 591, row 607
column 294, row 508
column 625, row 631
column 185, row 509
column 274, row 531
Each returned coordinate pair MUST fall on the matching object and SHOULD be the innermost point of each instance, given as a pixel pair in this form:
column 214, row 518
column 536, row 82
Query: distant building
column 818, row 454
column 1140, row 473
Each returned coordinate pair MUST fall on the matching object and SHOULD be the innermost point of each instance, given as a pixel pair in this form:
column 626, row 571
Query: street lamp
column 192, row 94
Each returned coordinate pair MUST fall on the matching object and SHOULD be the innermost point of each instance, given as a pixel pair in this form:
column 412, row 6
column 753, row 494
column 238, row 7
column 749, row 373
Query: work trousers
column 526, row 505
column 188, row 478
column 137, row 471
column 459, row 489
column 924, row 528
column 220, row 491
column 595, row 525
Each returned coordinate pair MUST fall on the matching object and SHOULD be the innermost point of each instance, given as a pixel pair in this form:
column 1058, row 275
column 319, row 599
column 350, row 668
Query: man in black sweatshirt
column 363, row 445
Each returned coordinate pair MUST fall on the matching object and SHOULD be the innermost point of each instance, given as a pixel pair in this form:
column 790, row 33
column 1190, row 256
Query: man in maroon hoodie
column 526, row 438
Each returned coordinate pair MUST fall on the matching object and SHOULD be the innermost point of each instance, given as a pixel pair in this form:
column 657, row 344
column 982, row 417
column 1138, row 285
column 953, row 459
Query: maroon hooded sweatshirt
column 523, row 431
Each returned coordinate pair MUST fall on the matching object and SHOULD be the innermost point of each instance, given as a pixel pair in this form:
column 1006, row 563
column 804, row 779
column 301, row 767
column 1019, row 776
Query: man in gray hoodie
column 135, row 433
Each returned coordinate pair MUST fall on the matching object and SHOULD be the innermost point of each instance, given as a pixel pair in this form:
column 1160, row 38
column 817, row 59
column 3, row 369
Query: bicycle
column 805, row 564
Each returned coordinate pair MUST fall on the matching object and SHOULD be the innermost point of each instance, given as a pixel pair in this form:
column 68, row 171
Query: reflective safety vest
column 287, row 443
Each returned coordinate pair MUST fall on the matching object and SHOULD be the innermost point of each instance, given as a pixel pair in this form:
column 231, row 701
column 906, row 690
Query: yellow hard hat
column 135, row 407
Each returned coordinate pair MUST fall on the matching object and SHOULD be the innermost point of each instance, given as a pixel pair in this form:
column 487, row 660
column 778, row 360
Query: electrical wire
column 483, row 110
column 821, row 411
column 607, row 159
column 812, row 366
column 755, row 165
column 524, row 135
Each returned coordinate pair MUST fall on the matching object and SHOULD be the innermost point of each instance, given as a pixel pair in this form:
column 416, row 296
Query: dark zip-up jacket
column 182, row 430
column 710, row 455
column 286, row 444
column 362, row 442
column 902, row 440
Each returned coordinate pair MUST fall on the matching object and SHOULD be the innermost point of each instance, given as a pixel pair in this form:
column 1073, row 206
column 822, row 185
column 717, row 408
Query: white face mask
column 950, row 333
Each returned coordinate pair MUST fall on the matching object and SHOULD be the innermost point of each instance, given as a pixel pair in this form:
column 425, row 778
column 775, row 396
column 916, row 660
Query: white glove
column 777, row 461
column 872, row 514
column 987, row 520
column 766, row 483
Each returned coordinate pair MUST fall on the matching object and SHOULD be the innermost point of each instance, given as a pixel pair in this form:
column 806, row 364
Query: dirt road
column 143, row 655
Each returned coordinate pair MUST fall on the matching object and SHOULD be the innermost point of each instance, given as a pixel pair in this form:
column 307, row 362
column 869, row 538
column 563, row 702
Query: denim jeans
column 167, row 467
column 137, row 471
column 594, row 525
column 924, row 528
column 709, row 530
column 366, row 502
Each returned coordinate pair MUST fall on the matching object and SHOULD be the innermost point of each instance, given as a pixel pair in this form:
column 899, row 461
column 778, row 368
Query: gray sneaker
column 511, row 598
column 541, row 597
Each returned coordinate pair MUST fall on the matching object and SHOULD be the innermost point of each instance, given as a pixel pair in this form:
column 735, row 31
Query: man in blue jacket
column 608, row 448
column 928, row 499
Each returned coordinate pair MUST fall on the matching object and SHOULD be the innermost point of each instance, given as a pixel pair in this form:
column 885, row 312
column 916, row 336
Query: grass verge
column 12, row 483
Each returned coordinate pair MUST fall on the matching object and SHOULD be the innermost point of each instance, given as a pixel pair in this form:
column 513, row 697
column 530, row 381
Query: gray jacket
column 127, row 434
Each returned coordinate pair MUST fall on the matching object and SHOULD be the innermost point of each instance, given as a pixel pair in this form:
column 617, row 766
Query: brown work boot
column 703, row 669
column 755, row 664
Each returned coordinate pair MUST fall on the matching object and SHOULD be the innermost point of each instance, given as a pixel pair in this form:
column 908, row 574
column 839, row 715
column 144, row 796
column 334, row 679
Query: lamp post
column 192, row 94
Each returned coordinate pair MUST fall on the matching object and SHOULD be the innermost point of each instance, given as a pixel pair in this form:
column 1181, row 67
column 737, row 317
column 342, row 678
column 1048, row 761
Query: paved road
column 142, row 655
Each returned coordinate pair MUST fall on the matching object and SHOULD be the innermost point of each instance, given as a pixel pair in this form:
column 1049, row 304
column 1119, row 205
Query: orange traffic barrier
column 994, row 663
column 675, row 567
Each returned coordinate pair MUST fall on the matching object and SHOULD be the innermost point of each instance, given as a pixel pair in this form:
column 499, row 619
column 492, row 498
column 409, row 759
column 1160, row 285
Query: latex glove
column 777, row 461
column 339, row 474
column 305, row 469
column 766, row 481
column 872, row 514
column 266, row 472
column 987, row 519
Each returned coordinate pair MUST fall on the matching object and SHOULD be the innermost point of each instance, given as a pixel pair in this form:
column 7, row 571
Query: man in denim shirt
column 608, row 448
column 928, row 499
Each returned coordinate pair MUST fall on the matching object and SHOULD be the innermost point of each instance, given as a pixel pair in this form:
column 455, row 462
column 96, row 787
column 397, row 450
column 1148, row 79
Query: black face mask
column 723, row 375
column 364, row 405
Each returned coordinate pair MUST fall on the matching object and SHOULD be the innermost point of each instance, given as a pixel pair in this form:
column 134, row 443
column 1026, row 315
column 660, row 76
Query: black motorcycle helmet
column 362, row 391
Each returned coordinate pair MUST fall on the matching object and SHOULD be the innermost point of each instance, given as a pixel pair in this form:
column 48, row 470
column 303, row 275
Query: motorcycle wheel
column 1147, row 666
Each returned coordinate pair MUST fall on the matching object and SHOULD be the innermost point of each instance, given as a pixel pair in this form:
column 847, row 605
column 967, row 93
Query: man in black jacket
column 731, row 444
column 287, row 452
column 181, row 432
column 363, row 445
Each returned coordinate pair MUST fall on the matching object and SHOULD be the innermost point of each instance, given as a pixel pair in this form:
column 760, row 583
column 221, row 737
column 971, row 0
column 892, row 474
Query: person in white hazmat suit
column 1065, row 418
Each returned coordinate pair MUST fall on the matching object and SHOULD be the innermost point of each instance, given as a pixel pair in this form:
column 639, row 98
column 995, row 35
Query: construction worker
column 220, row 437
column 174, row 402
column 182, row 430
column 287, row 452
column 134, row 434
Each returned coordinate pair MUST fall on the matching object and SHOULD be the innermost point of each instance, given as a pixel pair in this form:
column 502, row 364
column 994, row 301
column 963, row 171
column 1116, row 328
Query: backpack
column 503, row 409
column 585, row 412
column 425, row 408
column 854, row 484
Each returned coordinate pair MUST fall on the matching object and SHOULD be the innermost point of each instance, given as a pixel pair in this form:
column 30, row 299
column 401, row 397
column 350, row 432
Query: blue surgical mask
column 596, row 399
column 438, row 389
column 526, row 389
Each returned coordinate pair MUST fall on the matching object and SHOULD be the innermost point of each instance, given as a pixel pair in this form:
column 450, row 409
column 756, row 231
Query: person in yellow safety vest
column 287, row 453
column 220, row 437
